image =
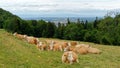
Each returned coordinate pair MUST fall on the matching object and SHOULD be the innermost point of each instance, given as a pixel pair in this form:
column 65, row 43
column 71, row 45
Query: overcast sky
column 52, row 8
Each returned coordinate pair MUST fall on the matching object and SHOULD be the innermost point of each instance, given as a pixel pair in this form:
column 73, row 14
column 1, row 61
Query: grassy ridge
column 15, row 53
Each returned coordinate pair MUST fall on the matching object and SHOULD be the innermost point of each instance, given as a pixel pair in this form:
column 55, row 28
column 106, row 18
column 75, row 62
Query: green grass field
column 15, row 53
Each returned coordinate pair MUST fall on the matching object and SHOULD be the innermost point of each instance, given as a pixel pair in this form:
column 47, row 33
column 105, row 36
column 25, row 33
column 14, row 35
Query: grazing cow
column 19, row 36
column 69, row 57
column 31, row 40
column 94, row 50
column 42, row 46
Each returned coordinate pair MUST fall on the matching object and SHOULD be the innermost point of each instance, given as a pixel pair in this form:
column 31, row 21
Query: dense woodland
column 103, row 31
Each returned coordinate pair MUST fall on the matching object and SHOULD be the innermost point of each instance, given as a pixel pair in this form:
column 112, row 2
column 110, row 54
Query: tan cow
column 20, row 36
column 82, row 45
column 57, row 47
column 50, row 46
column 69, row 57
column 81, row 50
column 73, row 43
column 31, row 40
column 64, row 45
column 94, row 50
column 42, row 46
column 69, row 48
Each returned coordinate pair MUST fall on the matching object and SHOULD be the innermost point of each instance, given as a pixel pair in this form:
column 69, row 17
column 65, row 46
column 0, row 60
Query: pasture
column 16, row 53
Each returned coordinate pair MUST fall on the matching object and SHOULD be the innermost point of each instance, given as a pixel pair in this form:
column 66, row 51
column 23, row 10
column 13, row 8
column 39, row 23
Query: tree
column 78, row 20
column 72, row 32
column 49, row 30
column 86, row 25
column 1, row 22
column 26, row 28
column 96, row 22
column 68, row 21
column 12, row 25
column 59, row 32
column 40, row 28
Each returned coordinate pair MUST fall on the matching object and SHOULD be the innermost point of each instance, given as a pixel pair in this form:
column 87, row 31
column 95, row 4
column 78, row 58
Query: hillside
column 6, row 16
column 15, row 53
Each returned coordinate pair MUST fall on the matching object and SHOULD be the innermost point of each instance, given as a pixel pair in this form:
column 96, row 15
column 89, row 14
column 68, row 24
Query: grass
column 15, row 53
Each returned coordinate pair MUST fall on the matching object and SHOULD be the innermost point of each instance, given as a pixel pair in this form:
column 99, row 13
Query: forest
column 101, row 31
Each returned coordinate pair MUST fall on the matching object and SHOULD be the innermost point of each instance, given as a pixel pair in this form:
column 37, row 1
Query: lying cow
column 31, row 40
column 20, row 36
column 69, row 57
column 42, row 46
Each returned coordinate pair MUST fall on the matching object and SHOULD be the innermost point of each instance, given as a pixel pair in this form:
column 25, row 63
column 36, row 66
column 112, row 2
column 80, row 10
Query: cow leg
column 77, row 61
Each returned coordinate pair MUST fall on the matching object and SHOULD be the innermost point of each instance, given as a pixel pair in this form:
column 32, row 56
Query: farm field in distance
column 15, row 53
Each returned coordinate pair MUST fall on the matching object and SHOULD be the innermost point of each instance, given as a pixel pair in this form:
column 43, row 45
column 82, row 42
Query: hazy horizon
column 60, row 8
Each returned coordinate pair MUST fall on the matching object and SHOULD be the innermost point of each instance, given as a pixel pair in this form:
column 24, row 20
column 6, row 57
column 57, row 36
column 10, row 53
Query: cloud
column 57, row 7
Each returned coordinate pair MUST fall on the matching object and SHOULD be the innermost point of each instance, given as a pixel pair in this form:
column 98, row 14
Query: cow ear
column 65, row 55
column 55, row 42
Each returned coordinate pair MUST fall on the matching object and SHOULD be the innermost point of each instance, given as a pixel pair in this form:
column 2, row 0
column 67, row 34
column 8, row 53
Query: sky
column 60, row 8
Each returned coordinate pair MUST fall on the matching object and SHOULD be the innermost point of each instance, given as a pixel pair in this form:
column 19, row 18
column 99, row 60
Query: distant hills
column 62, row 19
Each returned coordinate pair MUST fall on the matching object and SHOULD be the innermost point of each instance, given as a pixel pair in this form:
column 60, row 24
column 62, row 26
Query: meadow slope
column 15, row 53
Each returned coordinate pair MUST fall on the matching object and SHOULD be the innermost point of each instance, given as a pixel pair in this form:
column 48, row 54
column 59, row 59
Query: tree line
column 102, row 31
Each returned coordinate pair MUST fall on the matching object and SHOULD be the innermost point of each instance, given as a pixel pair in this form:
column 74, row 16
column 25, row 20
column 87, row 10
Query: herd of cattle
column 70, row 49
